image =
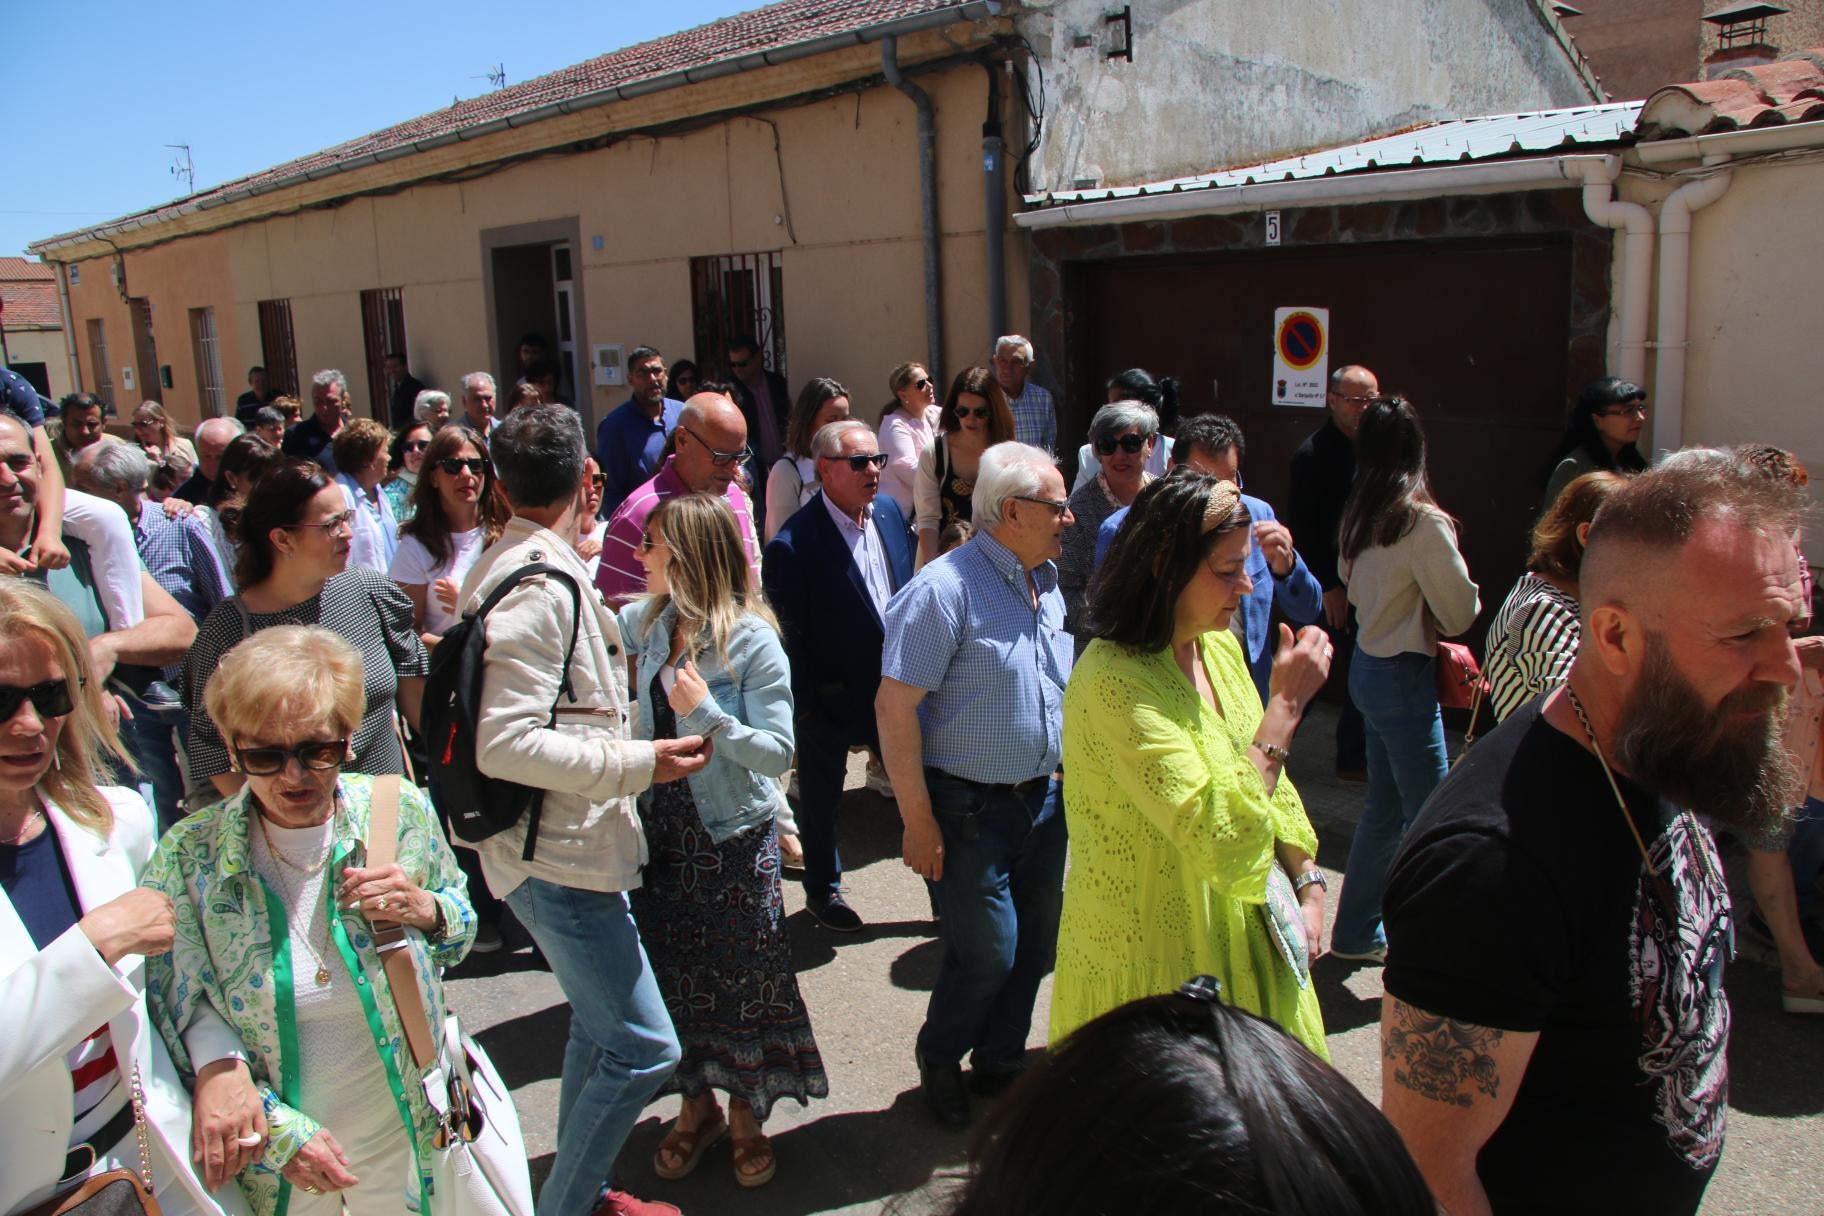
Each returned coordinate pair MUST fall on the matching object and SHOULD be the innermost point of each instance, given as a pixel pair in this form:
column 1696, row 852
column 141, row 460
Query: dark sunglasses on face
column 598, row 480
column 922, row 383
column 1127, row 443
column 417, row 445
column 455, row 464
column 980, row 411
column 862, row 460
column 270, row 761
column 50, row 698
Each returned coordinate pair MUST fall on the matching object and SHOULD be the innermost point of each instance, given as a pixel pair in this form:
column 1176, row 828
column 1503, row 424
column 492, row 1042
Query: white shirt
column 376, row 531
column 596, row 534
column 413, row 566
column 865, row 550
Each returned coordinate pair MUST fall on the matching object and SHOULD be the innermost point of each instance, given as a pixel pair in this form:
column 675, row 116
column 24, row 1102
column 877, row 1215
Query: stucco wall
column 42, row 346
column 1216, row 83
column 853, row 275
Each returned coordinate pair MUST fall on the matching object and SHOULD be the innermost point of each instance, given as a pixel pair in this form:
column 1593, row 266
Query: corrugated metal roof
column 1441, row 143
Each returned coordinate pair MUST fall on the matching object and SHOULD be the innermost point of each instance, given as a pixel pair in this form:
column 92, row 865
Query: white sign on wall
column 126, row 378
column 1301, row 356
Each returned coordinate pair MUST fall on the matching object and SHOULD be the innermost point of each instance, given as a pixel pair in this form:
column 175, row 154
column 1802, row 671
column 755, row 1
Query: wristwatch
column 1274, row 752
column 1313, row 877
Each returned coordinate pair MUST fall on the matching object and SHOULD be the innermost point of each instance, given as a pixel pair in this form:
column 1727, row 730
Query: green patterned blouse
column 232, row 952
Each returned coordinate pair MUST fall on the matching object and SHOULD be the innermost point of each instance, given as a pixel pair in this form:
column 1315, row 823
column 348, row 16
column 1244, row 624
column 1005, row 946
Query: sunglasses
column 1058, row 508
column 980, row 411
column 862, row 460
column 456, row 464
column 648, row 542
column 598, row 480
column 417, row 445
column 51, row 699
column 270, row 761
column 921, row 384
column 1127, row 443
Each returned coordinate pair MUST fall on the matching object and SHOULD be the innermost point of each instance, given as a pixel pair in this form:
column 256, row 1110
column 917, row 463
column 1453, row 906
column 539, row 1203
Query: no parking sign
column 1301, row 356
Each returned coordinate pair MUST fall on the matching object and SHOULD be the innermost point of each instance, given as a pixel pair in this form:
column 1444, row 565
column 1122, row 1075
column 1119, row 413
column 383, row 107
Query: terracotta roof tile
column 1769, row 94
column 13, row 269
column 30, row 303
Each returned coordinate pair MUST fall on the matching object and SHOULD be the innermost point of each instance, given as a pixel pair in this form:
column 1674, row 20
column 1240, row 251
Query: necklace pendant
column 322, row 977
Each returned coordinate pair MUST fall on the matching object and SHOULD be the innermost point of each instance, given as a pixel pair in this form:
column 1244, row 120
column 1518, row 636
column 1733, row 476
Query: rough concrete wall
column 1215, row 83
column 1638, row 45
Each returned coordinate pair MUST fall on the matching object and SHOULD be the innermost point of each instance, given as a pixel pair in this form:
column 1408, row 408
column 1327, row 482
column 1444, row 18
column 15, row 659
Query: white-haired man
column 213, row 436
column 971, row 718
column 1035, row 415
column 478, row 403
column 311, row 438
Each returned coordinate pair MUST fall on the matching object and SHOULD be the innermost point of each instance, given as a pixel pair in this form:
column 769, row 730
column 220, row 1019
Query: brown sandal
column 748, row 1148
column 688, row 1147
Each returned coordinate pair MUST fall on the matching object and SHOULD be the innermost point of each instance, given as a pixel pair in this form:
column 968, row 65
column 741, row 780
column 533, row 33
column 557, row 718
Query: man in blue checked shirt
column 971, row 718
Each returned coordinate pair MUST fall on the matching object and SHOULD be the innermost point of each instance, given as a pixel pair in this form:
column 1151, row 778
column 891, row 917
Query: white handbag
column 478, row 1166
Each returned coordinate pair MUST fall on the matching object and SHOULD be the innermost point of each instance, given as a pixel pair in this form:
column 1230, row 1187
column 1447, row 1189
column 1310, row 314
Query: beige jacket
column 589, row 834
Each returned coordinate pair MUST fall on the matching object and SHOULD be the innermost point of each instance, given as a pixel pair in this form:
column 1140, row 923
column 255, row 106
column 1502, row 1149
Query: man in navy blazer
column 1211, row 443
column 829, row 573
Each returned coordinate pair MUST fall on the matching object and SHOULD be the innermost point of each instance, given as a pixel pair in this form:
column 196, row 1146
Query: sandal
column 749, row 1148
column 688, row 1147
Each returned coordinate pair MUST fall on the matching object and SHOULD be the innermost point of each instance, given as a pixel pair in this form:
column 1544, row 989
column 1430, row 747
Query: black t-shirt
column 1519, row 901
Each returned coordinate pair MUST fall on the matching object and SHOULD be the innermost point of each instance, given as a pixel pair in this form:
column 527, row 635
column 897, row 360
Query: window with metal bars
column 732, row 294
column 99, row 368
column 278, row 347
column 383, row 330
column 209, row 397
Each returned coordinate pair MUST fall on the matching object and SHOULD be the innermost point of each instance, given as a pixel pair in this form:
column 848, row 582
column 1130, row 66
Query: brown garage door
column 1475, row 333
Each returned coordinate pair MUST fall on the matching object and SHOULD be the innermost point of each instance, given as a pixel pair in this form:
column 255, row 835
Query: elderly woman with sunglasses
column 1122, row 435
column 75, row 927
column 292, row 569
column 273, row 1000
column 455, row 515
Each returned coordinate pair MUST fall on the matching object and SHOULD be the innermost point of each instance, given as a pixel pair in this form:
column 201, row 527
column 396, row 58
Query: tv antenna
column 496, row 77
column 182, row 165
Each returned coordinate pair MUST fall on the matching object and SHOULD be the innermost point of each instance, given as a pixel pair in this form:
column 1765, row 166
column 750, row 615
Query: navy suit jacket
column 833, row 634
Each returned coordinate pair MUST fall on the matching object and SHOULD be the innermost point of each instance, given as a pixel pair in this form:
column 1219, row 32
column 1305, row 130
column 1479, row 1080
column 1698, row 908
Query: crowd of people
column 213, row 673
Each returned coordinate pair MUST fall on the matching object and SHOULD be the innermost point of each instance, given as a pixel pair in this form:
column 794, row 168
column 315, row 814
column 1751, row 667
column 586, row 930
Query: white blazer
column 51, row 999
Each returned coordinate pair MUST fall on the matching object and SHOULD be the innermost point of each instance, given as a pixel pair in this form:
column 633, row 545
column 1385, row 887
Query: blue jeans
column 999, row 897
column 1398, row 698
column 622, row 1046
column 151, row 739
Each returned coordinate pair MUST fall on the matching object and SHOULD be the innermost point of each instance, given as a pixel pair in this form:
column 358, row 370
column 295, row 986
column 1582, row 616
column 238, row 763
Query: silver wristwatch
column 1313, row 877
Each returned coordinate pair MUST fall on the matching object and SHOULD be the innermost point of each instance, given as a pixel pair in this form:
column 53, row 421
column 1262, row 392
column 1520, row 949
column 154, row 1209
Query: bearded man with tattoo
column 1555, row 1029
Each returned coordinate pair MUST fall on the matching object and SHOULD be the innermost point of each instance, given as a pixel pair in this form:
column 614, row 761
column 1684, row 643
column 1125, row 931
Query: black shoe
column 995, row 1083
column 942, row 1085
column 834, row 913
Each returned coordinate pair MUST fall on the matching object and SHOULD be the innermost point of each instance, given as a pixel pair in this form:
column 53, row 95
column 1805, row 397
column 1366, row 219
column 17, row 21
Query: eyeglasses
column 51, row 699
column 720, row 459
column 980, row 411
column 270, row 761
column 598, row 480
column 649, row 542
column 1624, row 411
column 334, row 523
column 417, row 445
column 456, row 464
column 1127, row 443
column 739, row 365
column 862, row 460
column 1060, row 507
column 1357, row 398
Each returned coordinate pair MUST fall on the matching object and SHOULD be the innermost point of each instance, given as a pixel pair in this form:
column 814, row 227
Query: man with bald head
column 212, row 439
column 709, row 448
column 1558, row 920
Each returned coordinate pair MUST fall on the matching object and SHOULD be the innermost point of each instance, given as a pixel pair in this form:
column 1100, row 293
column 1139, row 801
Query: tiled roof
column 1769, row 95
column 1438, row 143
column 744, row 36
column 30, row 292
column 13, row 269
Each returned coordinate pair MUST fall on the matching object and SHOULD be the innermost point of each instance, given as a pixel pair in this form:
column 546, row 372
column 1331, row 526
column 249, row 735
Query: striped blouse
column 1531, row 643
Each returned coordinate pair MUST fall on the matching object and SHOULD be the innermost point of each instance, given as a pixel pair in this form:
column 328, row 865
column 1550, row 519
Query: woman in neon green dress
column 1190, row 852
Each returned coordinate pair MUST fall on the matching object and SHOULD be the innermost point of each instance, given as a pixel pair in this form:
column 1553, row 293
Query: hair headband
column 1225, row 496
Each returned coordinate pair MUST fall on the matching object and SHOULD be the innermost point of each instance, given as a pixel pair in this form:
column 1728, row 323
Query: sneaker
column 1377, row 955
column 620, row 1203
column 942, row 1086
column 834, row 913
column 487, row 939
column 877, row 781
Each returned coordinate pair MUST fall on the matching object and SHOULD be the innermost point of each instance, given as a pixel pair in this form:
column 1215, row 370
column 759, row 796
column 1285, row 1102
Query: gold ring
column 383, row 903
column 311, row 1190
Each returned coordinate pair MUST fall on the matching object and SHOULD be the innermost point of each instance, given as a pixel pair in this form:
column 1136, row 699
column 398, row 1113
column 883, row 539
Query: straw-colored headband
column 1224, row 498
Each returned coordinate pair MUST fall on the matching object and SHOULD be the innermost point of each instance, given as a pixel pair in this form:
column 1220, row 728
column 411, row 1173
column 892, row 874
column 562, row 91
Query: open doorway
column 533, row 289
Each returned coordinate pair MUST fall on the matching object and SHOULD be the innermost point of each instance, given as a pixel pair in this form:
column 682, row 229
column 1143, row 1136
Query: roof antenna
column 496, row 77
column 183, row 166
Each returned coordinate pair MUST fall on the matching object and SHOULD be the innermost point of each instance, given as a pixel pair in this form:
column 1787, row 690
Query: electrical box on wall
column 126, row 379
column 164, row 375
column 607, row 363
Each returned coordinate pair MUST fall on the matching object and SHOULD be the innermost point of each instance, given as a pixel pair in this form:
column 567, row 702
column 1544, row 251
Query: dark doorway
column 525, row 302
column 1476, row 333
column 38, row 375
column 145, row 353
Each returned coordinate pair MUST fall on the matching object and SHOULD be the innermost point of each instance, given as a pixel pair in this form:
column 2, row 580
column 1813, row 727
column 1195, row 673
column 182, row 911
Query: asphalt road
column 871, row 1147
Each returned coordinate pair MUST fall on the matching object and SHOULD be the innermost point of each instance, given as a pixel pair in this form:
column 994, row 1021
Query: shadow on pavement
column 813, row 945
column 1343, row 1010
column 1774, row 1056
column 916, row 969
column 530, row 1047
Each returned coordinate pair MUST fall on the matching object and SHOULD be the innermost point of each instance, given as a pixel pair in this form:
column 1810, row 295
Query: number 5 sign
column 1272, row 227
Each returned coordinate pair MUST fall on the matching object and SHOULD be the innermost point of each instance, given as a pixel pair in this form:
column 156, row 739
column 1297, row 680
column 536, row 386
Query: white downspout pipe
column 69, row 326
column 1600, row 204
column 1675, row 301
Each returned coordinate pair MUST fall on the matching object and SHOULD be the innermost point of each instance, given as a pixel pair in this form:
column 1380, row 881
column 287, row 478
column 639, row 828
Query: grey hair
column 329, row 377
column 827, row 442
column 234, row 426
column 1014, row 342
column 427, row 401
column 120, row 466
column 1119, row 416
column 1007, row 470
column 474, row 380
column 538, row 453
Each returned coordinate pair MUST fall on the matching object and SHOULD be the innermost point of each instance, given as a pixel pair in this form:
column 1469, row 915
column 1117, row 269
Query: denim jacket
column 748, row 709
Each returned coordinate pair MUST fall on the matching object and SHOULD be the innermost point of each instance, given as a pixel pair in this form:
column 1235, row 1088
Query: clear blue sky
column 96, row 90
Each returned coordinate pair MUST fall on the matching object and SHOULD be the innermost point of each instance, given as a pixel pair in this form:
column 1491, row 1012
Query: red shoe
column 620, row 1203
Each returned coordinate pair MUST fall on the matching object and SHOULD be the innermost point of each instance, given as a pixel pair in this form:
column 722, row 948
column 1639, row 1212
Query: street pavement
column 871, row 1147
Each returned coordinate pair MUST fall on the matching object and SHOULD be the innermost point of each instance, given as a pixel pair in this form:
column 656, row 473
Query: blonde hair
column 708, row 577
column 288, row 673
column 88, row 736
column 155, row 412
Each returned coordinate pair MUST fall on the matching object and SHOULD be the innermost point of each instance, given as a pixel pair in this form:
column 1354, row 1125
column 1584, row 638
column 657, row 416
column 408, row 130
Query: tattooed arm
column 1446, row 1086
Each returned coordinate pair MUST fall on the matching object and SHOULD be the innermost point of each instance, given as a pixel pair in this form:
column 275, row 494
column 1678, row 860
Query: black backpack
column 479, row 806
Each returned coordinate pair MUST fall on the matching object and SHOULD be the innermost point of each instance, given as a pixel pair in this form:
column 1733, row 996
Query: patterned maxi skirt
column 713, row 922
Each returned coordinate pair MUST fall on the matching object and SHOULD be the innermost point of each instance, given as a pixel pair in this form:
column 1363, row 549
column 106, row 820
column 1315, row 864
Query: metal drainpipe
column 69, row 327
column 994, row 172
column 927, row 204
column 1675, row 301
